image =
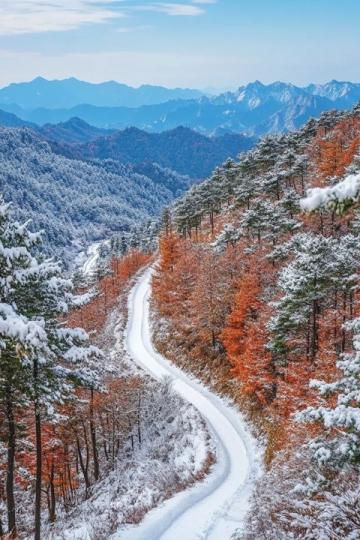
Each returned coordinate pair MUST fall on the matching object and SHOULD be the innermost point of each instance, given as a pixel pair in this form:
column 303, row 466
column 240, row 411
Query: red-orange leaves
column 337, row 148
column 164, row 283
column 244, row 340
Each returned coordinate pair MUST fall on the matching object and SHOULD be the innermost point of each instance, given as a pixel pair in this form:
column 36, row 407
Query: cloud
column 32, row 16
column 127, row 29
column 174, row 10
column 35, row 16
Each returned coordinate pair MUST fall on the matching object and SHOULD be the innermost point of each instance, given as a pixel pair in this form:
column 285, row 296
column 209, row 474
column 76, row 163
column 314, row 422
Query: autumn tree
column 244, row 340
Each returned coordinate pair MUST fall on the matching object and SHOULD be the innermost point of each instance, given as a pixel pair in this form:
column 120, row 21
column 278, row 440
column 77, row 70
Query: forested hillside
column 260, row 298
column 180, row 149
column 75, row 202
column 74, row 130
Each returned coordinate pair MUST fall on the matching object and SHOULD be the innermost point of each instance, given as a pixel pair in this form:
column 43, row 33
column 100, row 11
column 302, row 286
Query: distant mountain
column 151, row 117
column 256, row 94
column 72, row 92
column 181, row 149
column 74, row 130
column 254, row 110
column 74, row 202
column 339, row 92
column 11, row 120
column 279, row 107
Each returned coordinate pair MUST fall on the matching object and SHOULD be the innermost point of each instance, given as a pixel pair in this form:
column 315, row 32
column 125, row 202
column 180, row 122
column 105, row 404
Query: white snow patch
column 347, row 189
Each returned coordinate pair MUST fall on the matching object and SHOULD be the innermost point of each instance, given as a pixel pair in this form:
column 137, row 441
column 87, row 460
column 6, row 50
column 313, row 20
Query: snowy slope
column 214, row 508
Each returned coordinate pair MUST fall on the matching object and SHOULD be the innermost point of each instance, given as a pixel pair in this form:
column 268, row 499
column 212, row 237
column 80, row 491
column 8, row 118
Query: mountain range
column 71, row 92
column 181, row 149
column 82, row 181
column 74, row 130
column 255, row 109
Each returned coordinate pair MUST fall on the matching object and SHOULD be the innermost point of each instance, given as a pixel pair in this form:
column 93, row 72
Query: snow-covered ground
column 214, row 508
column 174, row 451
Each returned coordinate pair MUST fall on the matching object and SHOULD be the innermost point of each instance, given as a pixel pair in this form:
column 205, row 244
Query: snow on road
column 91, row 257
column 215, row 507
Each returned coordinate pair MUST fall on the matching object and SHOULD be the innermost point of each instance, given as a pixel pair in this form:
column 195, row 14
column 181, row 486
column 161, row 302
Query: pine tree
column 303, row 283
column 67, row 359
column 18, row 335
column 41, row 358
column 339, row 442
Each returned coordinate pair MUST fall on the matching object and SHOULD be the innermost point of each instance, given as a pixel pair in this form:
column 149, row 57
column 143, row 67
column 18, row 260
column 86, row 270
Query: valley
column 179, row 270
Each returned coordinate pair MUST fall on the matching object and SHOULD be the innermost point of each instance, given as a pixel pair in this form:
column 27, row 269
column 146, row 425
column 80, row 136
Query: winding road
column 92, row 257
column 215, row 507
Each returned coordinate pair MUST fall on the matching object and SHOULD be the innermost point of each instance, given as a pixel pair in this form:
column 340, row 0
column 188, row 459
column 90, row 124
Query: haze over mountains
column 70, row 92
column 255, row 109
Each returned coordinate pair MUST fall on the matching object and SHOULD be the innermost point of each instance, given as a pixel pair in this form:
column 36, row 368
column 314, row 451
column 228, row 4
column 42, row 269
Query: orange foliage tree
column 244, row 339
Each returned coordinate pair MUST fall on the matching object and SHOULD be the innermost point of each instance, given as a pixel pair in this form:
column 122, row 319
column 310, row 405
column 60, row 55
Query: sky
column 206, row 44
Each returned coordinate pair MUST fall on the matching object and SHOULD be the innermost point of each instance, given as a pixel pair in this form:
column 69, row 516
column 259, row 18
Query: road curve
column 215, row 507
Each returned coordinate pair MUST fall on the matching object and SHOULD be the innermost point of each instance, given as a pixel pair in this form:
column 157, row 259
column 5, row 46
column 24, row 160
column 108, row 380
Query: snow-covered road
column 92, row 255
column 215, row 507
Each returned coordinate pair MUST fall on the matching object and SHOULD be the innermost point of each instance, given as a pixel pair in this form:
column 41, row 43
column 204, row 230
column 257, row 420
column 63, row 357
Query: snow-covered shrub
column 170, row 451
column 296, row 500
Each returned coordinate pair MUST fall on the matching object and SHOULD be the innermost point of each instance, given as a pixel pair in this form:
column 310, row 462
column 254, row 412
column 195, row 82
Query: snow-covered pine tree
column 230, row 235
column 68, row 360
column 267, row 221
column 41, row 359
column 320, row 266
column 18, row 336
column 340, row 441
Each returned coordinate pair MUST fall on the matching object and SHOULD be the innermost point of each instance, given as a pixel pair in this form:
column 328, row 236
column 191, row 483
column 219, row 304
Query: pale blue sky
column 197, row 43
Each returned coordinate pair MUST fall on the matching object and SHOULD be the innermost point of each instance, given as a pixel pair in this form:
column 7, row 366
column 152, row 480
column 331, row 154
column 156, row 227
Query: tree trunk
column 93, row 437
column 343, row 332
column 52, row 505
column 213, row 339
column 139, row 420
column 131, row 435
column 83, row 468
column 38, row 444
column 10, row 499
column 314, row 330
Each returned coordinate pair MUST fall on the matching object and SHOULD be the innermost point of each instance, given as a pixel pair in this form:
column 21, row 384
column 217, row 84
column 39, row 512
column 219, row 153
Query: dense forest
column 182, row 149
column 259, row 296
column 76, row 202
